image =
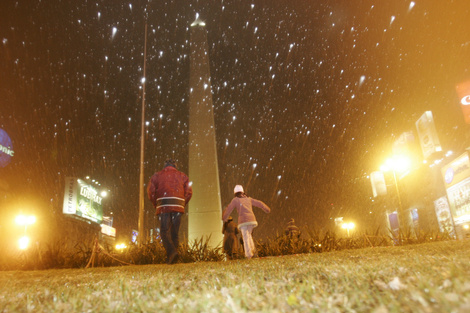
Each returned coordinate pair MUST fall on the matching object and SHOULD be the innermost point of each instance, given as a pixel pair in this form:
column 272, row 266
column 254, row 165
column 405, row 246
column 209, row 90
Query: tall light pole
column 141, row 236
column 398, row 164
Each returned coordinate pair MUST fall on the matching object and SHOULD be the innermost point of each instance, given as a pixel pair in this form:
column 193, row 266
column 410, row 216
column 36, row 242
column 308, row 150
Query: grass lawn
column 431, row 277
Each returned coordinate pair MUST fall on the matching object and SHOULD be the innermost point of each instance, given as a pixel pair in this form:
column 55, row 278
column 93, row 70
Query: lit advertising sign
column 402, row 146
column 463, row 92
column 6, row 149
column 108, row 220
column 427, row 134
column 338, row 221
column 82, row 199
column 456, row 171
column 457, row 182
column 394, row 224
column 459, row 201
column 377, row 180
column 444, row 217
column 135, row 234
column 108, row 230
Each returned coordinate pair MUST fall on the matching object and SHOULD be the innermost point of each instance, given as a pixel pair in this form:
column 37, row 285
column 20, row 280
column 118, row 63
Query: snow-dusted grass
column 431, row 277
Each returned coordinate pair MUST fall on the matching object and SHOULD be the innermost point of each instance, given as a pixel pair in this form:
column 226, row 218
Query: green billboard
column 82, row 199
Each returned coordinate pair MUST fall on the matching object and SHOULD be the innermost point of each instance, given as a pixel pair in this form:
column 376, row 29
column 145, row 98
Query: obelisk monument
column 205, row 208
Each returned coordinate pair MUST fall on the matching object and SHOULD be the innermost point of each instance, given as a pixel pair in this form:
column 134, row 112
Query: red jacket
column 169, row 190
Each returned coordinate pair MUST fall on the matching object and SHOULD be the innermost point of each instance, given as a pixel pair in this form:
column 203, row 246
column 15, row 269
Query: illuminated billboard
column 377, row 180
column 427, row 134
column 135, row 235
column 404, row 143
column 6, row 149
column 457, row 183
column 82, row 199
column 108, row 230
column 463, row 91
column 444, row 216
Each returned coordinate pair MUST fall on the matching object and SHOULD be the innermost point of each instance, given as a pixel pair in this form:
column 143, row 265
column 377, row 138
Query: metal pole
column 401, row 214
column 141, row 235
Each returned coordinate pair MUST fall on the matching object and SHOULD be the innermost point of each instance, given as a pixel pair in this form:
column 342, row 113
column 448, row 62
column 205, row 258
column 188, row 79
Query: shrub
column 91, row 254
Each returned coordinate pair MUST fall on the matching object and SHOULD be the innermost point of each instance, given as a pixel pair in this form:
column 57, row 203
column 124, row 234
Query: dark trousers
column 169, row 228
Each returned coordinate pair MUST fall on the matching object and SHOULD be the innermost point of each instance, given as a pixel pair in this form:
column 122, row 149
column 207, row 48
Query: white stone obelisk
column 205, row 208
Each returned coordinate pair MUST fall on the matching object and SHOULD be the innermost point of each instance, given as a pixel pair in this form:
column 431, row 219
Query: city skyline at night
column 308, row 97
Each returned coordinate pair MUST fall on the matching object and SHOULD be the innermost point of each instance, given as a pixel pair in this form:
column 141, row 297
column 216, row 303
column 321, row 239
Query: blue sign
column 135, row 234
column 6, row 149
column 449, row 176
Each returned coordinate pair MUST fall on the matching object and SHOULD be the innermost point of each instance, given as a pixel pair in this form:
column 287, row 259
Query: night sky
column 308, row 96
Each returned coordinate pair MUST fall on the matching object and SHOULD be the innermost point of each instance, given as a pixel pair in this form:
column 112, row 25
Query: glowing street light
column 23, row 242
column 397, row 164
column 24, row 220
column 121, row 247
column 348, row 226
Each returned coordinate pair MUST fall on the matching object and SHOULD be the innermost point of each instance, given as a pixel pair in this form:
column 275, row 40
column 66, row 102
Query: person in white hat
column 246, row 218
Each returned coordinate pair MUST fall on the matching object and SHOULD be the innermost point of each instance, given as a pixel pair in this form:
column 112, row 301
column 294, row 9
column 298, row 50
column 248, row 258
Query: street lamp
column 24, row 220
column 348, row 226
column 400, row 164
column 397, row 164
column 120, row 247
column 23, row 243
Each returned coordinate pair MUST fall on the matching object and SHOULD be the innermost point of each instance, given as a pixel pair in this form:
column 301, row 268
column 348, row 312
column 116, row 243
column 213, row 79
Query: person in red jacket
column 170, row 191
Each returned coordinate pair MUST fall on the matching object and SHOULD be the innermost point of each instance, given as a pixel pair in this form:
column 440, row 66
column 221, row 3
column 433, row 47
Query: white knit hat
column 238, row 188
